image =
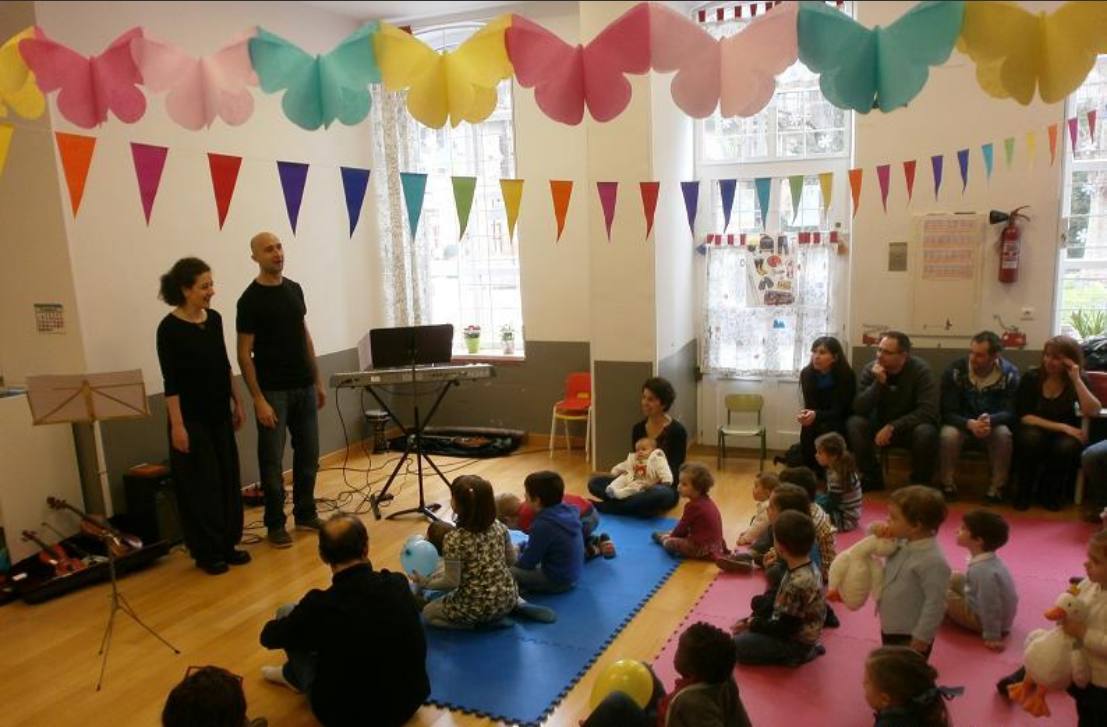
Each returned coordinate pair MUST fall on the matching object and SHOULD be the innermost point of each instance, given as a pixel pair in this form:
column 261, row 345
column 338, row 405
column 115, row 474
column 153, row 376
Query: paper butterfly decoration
column 200, row 89
column 565, row 78
column 88, row 88
column 1015, row 50
column 881, row 68
column 318, row 89
column 18, row 89
column 737, row 73
column 459, row 84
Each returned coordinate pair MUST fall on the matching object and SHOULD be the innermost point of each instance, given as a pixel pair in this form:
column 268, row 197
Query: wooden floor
column 48, row 659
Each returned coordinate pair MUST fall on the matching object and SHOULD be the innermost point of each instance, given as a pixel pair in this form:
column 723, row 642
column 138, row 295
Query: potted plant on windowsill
column 472, row 338
column 507, row 337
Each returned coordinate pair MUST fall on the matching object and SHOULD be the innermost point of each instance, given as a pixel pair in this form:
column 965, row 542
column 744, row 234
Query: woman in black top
column 657, row 396
column 1049, row 439
column 204, row 411
column 828, row 385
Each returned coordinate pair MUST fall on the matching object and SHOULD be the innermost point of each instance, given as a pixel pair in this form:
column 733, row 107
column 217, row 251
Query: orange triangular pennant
column 561, row 191
column 1052, row 130
column 76, row 157
column 855, row 187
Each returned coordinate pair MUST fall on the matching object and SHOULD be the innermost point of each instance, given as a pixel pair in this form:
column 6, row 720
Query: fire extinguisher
column 1010, row 238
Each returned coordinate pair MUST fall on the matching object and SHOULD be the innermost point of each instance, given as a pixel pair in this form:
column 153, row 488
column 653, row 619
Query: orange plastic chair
column 575, row 407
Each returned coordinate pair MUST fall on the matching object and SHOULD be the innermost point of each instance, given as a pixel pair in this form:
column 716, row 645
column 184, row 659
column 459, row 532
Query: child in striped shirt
column 842, row 499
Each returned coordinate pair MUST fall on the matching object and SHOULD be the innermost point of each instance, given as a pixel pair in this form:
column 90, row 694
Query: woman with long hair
column 828, row 385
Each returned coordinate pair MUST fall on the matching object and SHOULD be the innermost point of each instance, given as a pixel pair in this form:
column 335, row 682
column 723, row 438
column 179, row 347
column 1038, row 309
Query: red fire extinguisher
column 1010, row 238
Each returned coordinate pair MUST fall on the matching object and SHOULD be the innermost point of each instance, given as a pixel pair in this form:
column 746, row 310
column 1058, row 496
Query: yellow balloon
column 628, row 676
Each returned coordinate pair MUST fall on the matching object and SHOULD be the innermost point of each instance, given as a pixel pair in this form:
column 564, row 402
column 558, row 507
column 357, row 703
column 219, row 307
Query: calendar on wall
column 49, row 318
column 945, row 272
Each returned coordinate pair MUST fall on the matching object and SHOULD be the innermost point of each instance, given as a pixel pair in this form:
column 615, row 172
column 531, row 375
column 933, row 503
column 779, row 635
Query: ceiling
column 404, row 12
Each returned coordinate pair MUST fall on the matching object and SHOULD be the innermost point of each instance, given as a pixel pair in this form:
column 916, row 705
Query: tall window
column 464, row 280
column 798, row 134
column 1082, row 272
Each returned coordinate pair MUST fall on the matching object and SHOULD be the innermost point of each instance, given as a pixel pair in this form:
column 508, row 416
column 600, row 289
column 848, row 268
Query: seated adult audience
column 658, row 396
column 1094, row 463
column 828, row 385
column 1049, row 438
column 209, row 696
column 978, row 406
column 357, row 649
column 896, row 404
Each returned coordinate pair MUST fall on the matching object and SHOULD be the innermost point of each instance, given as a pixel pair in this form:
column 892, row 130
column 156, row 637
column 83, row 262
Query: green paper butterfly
column 318, row 89
column 882, row 68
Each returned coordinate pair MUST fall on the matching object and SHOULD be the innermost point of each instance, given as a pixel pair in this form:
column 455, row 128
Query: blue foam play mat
column 519, row 674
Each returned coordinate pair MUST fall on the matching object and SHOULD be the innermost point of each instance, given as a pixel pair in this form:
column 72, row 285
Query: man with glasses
column 896, row 405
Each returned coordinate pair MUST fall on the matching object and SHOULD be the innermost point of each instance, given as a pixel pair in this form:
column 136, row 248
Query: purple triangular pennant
column 354, row 183
column 936, row 165
column 726, row 192
column 691, row 192
column 608, row 192
column 963, row 163
column 293, row 177
column 149, row 164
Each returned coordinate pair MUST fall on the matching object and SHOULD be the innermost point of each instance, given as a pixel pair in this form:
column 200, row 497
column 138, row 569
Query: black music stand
column 411, row 346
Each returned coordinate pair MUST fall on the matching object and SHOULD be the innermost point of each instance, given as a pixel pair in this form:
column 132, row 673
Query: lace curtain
column 764, row 307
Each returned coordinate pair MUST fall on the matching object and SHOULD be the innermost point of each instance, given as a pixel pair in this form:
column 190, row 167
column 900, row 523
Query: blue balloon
column 518, row 537
column 419, row 557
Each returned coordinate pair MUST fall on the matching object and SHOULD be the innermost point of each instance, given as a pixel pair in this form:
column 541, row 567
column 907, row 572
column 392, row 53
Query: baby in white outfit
column 645, row 467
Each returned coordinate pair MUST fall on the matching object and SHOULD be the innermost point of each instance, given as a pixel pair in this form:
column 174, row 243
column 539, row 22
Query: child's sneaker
column 735, row 563
column 607, row 546
column 592, row 548
column 659, row 536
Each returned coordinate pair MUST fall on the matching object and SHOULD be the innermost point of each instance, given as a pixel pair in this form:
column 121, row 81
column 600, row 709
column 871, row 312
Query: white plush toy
column 1052, row 658
column 858, row 571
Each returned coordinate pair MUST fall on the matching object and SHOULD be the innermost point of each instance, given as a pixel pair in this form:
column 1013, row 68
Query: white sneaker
column 275, row 674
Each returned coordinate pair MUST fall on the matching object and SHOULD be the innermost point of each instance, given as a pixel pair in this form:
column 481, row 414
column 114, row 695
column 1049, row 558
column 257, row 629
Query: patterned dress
column 487, row 591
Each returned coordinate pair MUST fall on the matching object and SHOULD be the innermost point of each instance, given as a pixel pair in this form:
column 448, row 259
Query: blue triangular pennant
column 354, row 183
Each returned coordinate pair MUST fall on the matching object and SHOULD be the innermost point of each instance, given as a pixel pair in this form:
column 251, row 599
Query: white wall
column 117, row 259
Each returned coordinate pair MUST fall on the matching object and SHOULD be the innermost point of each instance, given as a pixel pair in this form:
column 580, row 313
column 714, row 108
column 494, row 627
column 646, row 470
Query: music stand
column 91, row 398
column 411, row 346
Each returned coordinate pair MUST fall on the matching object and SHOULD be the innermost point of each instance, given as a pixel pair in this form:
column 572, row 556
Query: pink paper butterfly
column 566, row 78
column 737, row 73
column 200, row 89
column 89, row 87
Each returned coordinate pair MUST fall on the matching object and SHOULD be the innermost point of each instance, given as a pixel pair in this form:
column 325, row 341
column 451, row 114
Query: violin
column 54, row 555
column 118, row 542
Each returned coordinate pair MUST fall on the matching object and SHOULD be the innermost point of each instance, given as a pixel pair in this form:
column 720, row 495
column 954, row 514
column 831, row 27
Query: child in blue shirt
column 553, row 557
column 983, row 599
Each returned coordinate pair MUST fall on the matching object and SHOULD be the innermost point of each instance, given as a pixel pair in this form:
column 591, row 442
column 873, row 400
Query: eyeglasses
column 194, row 669
column 886, row 352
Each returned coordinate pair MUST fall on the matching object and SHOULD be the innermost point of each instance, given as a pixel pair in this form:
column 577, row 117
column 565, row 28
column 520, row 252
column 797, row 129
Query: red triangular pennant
column 224, row 176
column 649, row 202
column 76, row 157
column 1091, row 124
column 909, row 177
column 149, row 164
column 1073, row 131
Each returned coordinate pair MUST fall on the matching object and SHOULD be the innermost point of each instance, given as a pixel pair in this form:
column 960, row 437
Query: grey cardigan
column 913, row 600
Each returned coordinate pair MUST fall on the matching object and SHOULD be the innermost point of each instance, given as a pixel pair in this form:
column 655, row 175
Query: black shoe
column 831, row 621
column 1015, row 678
column 993, row 498
column 1051, row 503
column 238, row 557
column 215, row 568
column 1022, row 503
column 950, row 494
column 872, row 485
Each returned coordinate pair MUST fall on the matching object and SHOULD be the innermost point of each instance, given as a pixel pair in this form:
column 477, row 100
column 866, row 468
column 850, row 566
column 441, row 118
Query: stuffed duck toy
column 1052, row 658
column 858, row 571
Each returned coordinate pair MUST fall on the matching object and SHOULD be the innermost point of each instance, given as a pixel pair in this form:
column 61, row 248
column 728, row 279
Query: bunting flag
column 988, row 152
column 909, row 177
column 883, row 176
column 963, row 163
column 5, row 142
column 464, row 187
column 76, row 157
column 1091, row 124
column 149, row 164
column 795, row 189
column 1009, row 150
column 855, row 176
column 649, row 202
column 1031, row 146
column 512, row 191
column 224, row 176
column 1052, row 132
column 415, row 188
column 293, row 178
column 936, row 163
column 608, row 192
column 826, row 186
column 561, row 190
column 691, row 192
column 764, row 186
column 1074, row 124
column 726, row 193
column 354, row 183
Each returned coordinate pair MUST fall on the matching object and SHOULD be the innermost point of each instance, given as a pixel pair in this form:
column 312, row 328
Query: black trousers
column 209, row 490
column 1046, row 462
column 922, row 441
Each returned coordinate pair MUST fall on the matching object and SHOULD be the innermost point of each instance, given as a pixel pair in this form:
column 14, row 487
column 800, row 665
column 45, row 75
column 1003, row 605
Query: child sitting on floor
column 900, row 687
column 643, row 468
column 913, row 599
column 824, row 527
column 763, row 485
column 789, row 635
column 705, row 694
column 474, row 568
column 517, row 514
column 983, row 599
column 699, row 534
column 552, row 559
column 842, row 499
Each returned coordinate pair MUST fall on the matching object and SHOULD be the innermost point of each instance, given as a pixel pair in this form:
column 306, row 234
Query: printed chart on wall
column 946, row 272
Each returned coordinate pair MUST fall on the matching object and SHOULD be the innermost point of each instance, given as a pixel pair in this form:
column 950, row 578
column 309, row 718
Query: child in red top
column 517, row 514
column 699, row 534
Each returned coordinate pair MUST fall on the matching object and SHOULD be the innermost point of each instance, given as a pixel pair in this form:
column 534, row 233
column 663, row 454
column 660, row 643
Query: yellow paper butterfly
column 459, row 84
column 17, row 83
column 1015, row 50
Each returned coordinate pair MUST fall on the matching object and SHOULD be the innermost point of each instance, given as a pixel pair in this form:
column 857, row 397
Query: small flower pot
column 473, row 344
column 509, row 346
